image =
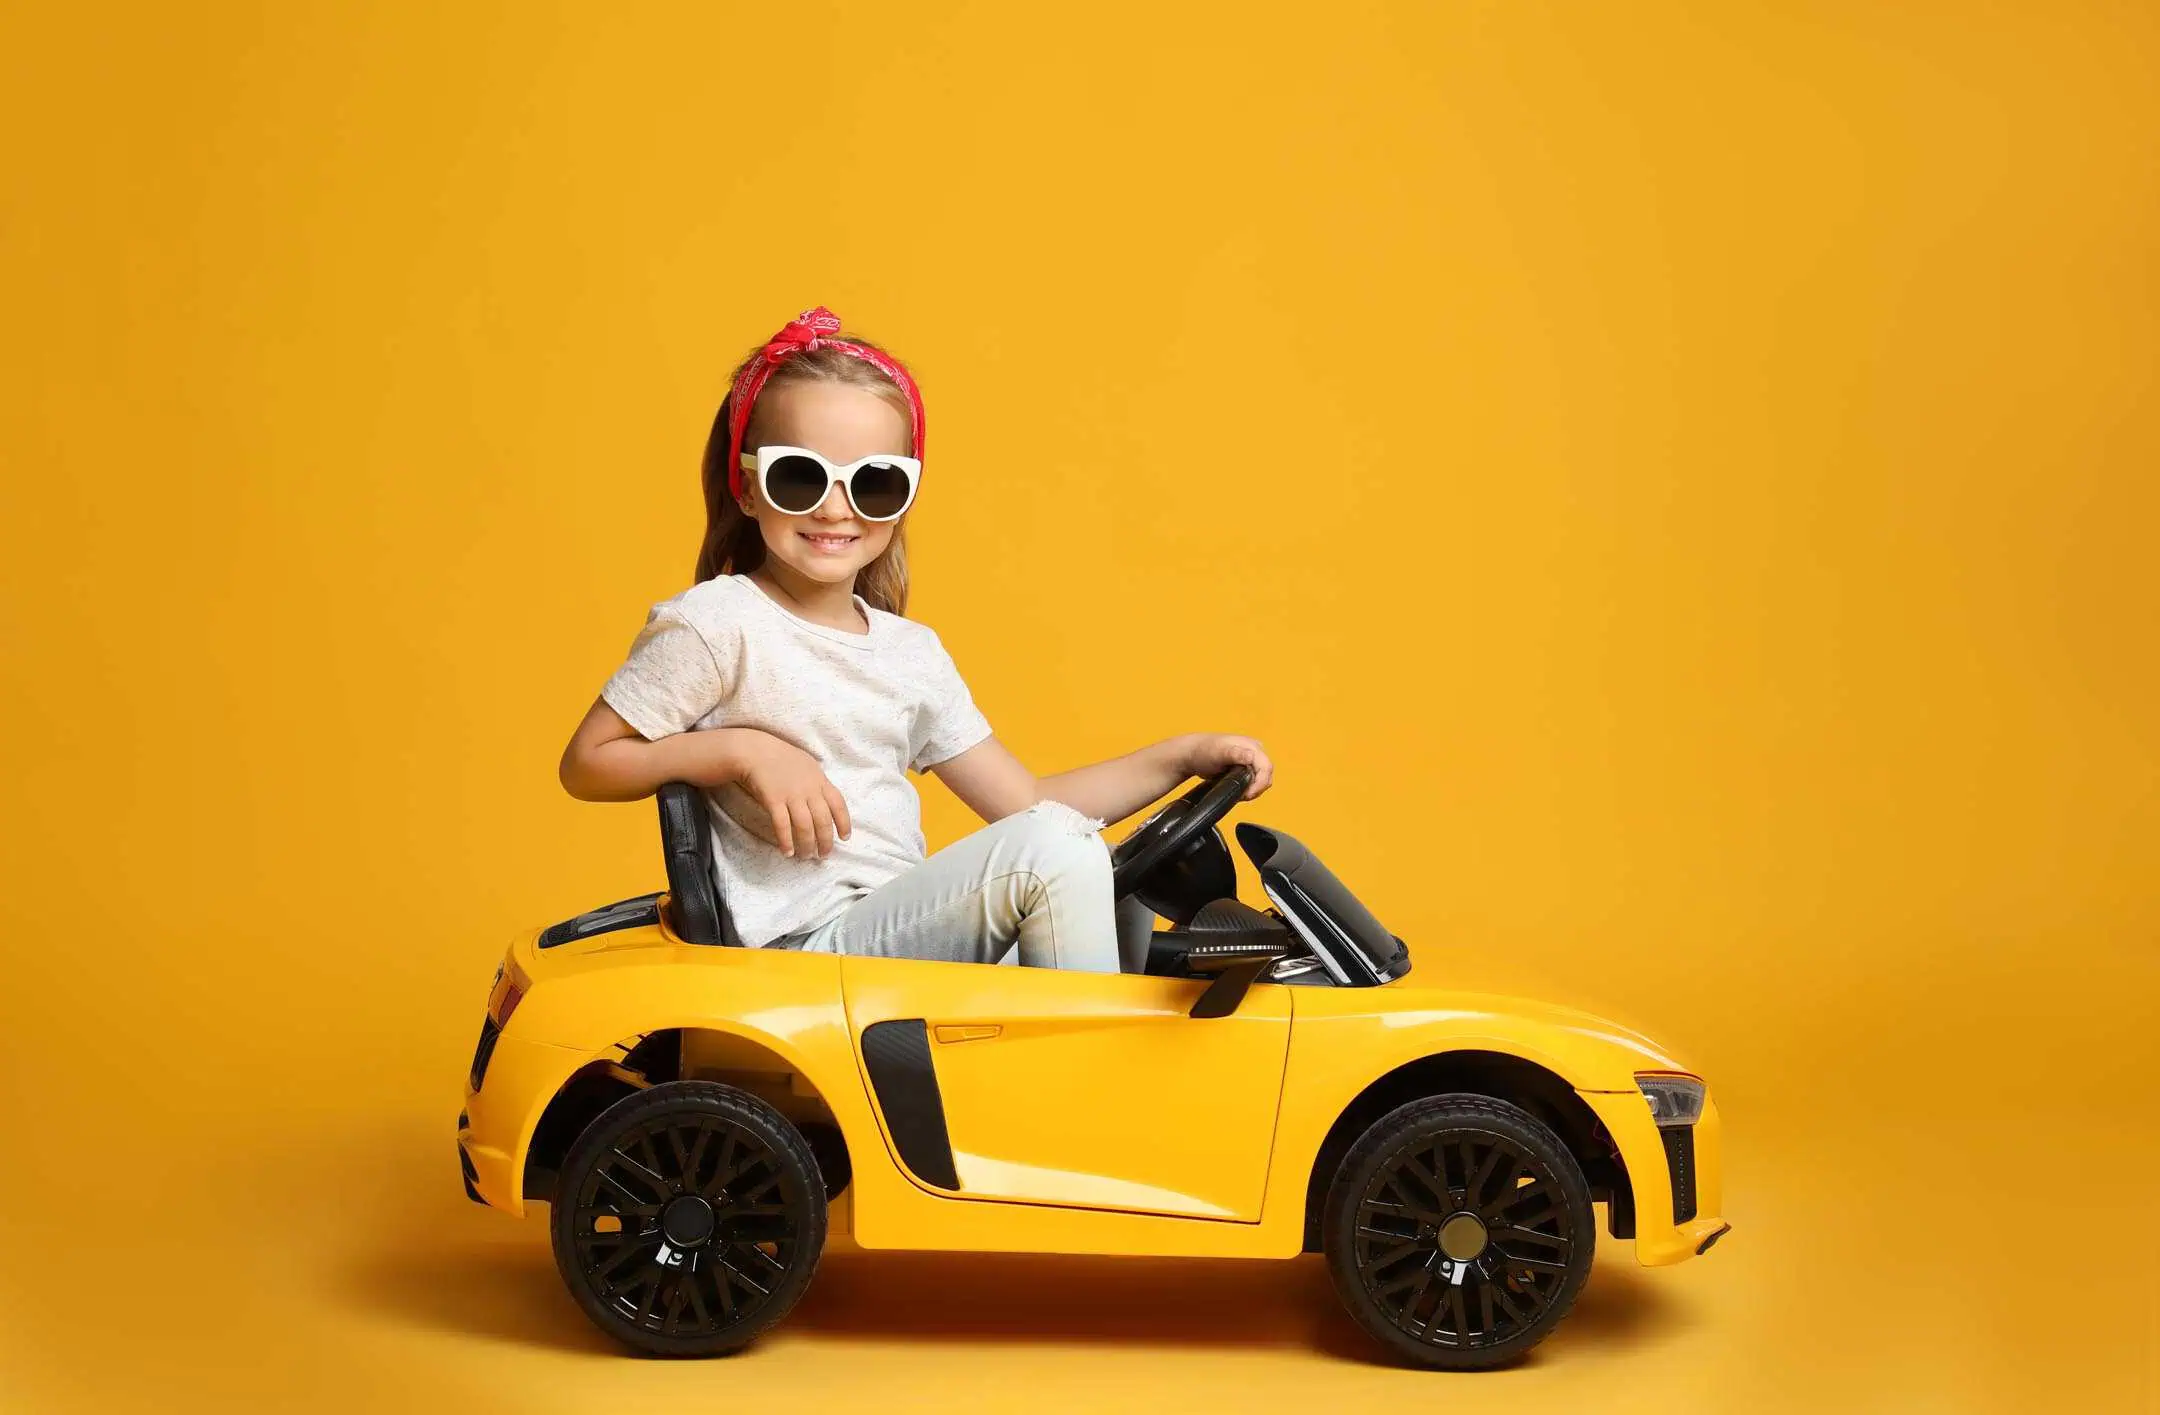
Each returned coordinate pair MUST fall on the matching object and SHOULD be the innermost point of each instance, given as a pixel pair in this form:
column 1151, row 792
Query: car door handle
column 949, row 1032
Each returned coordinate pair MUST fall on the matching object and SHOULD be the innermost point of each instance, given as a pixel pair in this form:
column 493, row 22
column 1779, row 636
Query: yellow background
column 1672, row 487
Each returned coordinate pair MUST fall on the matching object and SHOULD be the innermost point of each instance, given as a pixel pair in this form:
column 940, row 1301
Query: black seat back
column 694, row 909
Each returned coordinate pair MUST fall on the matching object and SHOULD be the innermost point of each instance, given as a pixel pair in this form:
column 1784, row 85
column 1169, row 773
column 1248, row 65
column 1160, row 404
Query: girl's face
column 830, row 543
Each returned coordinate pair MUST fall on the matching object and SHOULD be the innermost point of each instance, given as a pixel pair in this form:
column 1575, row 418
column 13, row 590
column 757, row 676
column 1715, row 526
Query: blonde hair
column 733, row 543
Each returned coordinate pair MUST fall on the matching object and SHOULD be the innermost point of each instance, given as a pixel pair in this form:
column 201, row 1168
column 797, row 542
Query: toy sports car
column 1274, row 1083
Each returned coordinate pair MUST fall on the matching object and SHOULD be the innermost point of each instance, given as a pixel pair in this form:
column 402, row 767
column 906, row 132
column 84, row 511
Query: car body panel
column 588, row 1000
column 523, row 1076
column 1093, row 1090
column 1098, row 1118
column 1404, row 1018
column 1345, row 1039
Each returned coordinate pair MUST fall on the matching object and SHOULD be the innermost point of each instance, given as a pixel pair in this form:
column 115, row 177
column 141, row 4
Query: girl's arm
column 609, row 760
column 994, row 783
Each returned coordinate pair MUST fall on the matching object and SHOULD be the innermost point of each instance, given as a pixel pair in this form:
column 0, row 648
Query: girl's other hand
column 807, row 809
column 1212, row 751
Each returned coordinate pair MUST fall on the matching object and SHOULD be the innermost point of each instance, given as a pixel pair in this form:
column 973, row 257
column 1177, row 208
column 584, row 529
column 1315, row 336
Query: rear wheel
column 1458, row 1231
column 688, row 1218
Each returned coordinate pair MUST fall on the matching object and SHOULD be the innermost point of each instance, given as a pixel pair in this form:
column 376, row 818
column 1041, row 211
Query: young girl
column 788, row 684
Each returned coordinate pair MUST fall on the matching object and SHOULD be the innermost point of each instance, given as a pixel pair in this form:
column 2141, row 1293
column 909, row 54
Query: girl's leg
column 1038, row 879
column 1135, row 931
column 1135, row 934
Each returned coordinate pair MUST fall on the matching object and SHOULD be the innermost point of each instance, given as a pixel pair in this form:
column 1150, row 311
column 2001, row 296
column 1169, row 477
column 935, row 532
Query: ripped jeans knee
column 1074, row 820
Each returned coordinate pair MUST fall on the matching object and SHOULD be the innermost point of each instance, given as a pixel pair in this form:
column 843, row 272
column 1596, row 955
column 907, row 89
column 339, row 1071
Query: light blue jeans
column 1038, row 878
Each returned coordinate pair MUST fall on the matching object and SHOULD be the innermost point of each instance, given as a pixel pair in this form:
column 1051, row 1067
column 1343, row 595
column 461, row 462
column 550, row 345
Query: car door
column 1096, row 1090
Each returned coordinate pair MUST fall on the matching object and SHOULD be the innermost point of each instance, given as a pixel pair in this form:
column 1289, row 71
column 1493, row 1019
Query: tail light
column 504, row 994
column 508, row 991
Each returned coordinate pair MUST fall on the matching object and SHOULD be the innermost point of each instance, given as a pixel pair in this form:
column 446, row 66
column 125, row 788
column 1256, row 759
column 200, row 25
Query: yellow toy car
column 1276, row 1082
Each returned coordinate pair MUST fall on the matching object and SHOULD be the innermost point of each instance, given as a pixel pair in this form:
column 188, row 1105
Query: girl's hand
column 1210, row 752
column 807, row 809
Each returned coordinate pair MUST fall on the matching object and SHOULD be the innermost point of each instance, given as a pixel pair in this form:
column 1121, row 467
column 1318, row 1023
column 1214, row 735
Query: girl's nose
column 835, row 505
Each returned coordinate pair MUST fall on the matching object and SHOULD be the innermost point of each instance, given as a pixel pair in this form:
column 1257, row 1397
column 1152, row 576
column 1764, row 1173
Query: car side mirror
column 1233, row 965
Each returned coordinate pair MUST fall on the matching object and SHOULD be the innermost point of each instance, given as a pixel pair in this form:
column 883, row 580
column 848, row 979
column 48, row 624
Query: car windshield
column 1273, row 852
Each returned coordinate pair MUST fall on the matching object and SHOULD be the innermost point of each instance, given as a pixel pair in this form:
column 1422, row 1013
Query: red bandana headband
column 807, row 330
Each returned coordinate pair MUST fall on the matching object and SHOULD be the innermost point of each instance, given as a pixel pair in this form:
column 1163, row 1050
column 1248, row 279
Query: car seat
column 695, row 912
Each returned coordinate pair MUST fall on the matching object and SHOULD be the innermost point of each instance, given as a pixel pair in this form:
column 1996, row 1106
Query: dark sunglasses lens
column 795, row 484
column 880, row 488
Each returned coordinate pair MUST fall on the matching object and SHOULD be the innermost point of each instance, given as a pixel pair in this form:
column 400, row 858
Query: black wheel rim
column 687, row 1225
column 1464, row 1239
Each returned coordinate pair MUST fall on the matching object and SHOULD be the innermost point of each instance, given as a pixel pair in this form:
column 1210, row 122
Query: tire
column 688, row 1219
column 1458, row 1231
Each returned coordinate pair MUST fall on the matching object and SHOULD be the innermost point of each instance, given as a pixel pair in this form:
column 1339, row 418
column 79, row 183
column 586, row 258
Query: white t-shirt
column 870, row 707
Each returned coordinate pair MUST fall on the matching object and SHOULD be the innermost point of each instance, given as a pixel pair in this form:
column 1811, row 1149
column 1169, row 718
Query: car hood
column 1403, row 1003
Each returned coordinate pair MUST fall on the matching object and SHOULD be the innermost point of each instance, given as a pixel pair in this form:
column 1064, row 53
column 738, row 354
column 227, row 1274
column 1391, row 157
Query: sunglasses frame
column 762, row 459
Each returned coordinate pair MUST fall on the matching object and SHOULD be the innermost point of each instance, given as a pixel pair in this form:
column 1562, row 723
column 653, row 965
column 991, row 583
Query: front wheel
column 1458, row 1231
column 688, row 1218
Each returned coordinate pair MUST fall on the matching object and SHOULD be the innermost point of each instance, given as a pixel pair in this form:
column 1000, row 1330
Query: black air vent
column 485, row 1051
column 628, row 914
column 1680, row 1160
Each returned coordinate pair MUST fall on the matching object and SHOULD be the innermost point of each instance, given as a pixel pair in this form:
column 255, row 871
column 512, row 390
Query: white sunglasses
column 797, row 480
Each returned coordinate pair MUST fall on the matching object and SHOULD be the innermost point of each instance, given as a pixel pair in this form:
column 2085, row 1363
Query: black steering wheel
column 1166, row 834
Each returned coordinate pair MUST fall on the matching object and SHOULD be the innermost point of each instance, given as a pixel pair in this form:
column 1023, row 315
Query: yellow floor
column 278, row 1256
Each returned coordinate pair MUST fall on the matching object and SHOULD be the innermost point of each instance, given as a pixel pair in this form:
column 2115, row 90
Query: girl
column 788, row 684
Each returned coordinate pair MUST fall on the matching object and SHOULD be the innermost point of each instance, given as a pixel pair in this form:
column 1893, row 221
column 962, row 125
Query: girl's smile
column 815, row 556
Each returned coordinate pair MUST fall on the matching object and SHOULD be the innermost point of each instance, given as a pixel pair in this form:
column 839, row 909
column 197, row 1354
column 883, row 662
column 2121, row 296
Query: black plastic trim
column 829, row 1148
column 1221, row 997
column 1705, row 1246
column 624, row 914
column 694, row 908
column 1334, row 922
column 1680, row 1159
column 896, row 1053
column 1234, row 943
column 1620, row 1211
column 484, row 1052
column 465, row 1164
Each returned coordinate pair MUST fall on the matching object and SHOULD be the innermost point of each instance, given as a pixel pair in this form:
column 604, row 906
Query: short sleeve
column 672, row 678
column 953, row 723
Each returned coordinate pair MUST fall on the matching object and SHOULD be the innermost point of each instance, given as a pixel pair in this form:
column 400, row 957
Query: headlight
column 1675, row 1099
